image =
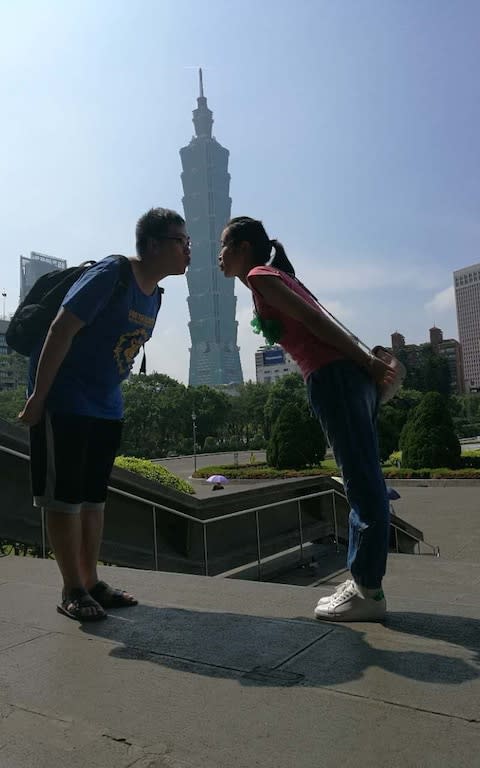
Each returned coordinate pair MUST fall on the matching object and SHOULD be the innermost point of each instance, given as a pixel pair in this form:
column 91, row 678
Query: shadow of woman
column 279, row 652
column 454, row 630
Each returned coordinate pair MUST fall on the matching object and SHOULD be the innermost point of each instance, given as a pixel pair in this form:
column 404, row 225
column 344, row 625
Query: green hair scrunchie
column 271, row 329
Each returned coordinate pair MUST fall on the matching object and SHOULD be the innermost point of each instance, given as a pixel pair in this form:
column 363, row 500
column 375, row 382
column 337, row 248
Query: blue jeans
column 345, row 400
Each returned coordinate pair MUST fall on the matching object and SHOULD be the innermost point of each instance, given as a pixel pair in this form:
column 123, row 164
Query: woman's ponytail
column 252, row 231
column 280, row 260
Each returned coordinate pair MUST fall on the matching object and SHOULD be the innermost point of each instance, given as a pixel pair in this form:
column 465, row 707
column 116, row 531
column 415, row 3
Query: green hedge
column 328, row 468
column 154, row 472
column 435, row 474
column 261, row 471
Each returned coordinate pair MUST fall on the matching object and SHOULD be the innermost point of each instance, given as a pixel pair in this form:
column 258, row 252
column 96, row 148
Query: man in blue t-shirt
column 75, row 407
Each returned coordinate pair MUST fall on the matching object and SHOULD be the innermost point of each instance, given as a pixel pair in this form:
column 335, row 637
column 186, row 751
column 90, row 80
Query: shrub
column 154, row 472
column 470, row 459
column 261, row 471
column 393, row 459
column 297, row 440
column 428, row 438
column 257, row 443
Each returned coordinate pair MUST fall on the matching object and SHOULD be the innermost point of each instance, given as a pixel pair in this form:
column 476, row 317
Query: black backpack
column 33, row 317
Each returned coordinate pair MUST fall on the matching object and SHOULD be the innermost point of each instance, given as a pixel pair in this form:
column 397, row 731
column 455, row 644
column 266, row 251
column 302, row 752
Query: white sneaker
column 350, row 605
column 339, row 589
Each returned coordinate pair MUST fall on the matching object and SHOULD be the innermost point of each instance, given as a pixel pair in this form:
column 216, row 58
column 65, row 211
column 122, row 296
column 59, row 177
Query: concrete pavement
column 214, row 673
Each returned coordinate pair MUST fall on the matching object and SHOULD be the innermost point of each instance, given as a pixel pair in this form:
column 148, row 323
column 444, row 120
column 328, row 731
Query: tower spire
column 202, row 116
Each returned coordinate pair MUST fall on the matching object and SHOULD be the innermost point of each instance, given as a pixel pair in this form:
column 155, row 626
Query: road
column 183, row 466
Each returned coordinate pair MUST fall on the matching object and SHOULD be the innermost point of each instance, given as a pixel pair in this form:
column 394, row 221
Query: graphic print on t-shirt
column 127, row 348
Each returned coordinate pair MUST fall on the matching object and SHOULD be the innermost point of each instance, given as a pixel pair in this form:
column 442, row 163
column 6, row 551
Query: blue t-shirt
column 103, row 351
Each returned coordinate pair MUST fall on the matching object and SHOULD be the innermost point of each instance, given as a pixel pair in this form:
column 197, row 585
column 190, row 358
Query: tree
column 253, row 400
column 288, row 390
column 436, row 374
column 428, row 438
column 210, row 445
column 430, row 373
column 246, row 415
column 156, row 416
column 389, row 425
column 14, row 370
column 297, row 440
column 392, row 418
column 465, row 410
column 211, row 409
column 11, row 403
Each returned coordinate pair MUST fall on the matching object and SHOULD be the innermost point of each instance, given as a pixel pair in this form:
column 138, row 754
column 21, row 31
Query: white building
column 272, row 363
column 467, row 298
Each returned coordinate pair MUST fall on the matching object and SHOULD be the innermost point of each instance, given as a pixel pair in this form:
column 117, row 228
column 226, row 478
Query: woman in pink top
column 343, row 390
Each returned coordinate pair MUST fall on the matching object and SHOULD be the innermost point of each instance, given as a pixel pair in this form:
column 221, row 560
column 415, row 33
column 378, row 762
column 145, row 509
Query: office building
column 467, row 299
column 214, row 353
column 35, row 266
column 273, row 363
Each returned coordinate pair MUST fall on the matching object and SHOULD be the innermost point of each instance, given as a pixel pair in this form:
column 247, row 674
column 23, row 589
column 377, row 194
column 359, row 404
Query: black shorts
column 71, row 459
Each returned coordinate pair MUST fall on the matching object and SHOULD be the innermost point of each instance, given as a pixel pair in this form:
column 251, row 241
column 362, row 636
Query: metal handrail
column 332, row 492
column 14, row 453
column 204, row 523
column 239, row 513
column 435, row 549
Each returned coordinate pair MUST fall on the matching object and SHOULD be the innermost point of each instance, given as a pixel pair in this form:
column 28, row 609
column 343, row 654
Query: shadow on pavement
column 265, row 651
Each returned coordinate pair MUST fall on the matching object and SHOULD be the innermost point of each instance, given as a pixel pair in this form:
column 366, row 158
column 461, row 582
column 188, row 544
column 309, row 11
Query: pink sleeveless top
column 308, row 351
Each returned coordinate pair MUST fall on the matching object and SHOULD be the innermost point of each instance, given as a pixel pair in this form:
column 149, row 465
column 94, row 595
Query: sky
column 353, row 128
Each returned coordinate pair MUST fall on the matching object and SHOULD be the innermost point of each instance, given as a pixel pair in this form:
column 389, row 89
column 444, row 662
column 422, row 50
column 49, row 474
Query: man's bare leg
column 65, row 536
column 91, row 539
column 92, row 531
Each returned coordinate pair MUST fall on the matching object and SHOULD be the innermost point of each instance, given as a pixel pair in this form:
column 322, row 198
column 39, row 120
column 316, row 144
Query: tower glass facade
column 467, row 298
column 214, row 354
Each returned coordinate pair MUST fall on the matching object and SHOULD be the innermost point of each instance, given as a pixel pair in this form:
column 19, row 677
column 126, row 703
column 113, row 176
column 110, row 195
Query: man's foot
column 109, row 597
column 348, row 604
column 77, row 604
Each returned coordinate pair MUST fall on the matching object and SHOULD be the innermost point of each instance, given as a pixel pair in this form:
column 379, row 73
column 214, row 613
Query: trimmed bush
column 297, row 440
column 261, row 471
column 470, row 459
column 428, row 438
column 427, row 473
column 154, row 472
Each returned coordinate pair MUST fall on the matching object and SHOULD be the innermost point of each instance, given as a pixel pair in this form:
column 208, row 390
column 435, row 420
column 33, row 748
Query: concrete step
column 221, row 673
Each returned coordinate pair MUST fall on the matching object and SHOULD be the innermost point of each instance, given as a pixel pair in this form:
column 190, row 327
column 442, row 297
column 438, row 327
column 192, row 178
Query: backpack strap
column 124, row 272
column 125, row 276
column 143, row 366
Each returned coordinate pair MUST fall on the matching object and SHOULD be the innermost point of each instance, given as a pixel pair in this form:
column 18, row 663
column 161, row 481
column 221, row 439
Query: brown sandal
column 76, row 601
column 109, row 597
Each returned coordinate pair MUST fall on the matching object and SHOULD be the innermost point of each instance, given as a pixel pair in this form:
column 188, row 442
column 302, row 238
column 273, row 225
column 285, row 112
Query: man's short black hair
column 155, row 223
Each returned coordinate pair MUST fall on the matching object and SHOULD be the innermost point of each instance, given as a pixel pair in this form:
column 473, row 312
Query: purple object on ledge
column 217, row 479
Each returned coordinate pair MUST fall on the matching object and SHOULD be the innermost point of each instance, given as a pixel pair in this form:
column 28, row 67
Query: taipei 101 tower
column 214, row 354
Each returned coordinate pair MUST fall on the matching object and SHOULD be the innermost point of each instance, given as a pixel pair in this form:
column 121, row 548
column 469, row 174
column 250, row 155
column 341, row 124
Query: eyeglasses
column 185, row 242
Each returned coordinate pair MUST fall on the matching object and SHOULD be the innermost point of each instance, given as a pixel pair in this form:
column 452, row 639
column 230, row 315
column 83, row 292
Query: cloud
column 336, row 272
column 443, row 301
column 338, row 309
